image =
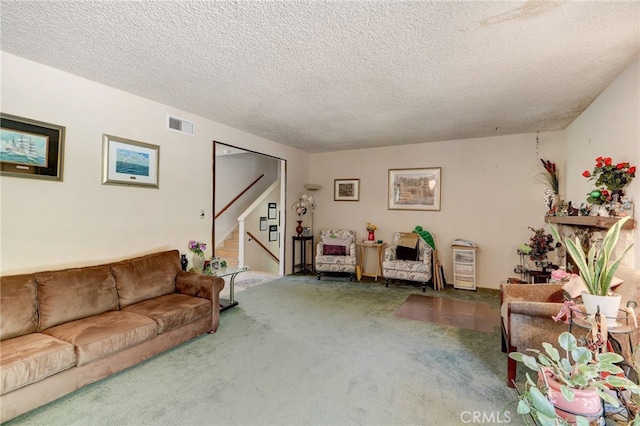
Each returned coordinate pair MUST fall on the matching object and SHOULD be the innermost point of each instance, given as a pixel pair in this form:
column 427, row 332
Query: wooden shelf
column 592, row 221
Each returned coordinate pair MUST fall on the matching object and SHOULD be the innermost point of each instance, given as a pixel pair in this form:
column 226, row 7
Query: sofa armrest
column 427, row 255
column 390, row 253
column 204, row 286
column 531, row 293
column 535, row 309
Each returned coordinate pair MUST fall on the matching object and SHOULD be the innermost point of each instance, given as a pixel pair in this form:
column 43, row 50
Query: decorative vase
column 184, row 262
column 372, row 236
column 299, row 228
column 586, row 402
column 609, row 306
column 198, row 262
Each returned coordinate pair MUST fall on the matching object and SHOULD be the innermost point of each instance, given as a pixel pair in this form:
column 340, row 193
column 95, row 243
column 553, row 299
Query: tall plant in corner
column 596, row 267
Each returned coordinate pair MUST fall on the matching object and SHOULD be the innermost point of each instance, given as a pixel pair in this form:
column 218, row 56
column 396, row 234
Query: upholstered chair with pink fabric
column 336, row 252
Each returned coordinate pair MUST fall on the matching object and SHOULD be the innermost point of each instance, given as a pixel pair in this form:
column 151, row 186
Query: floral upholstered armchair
column 336, row 252
column 409, row 258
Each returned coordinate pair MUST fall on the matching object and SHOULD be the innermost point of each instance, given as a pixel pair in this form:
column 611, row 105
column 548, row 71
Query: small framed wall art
column 127, row 162
column 346, row 189
column 414, row 189
column 272, row 210
column 273, row 232
column 30, row 148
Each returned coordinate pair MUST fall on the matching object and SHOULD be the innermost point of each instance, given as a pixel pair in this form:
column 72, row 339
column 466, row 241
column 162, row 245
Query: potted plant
column 570, row 386
column 597, row 270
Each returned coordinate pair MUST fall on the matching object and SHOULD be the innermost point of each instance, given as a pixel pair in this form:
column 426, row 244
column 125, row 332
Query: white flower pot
column 609, row 306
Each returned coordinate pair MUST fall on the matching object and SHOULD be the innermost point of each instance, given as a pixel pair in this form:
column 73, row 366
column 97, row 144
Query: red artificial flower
column 586, row 173
column 620, row 166
column 632, row 170
column 599, row 160
column 604, row 192
column 607, row 161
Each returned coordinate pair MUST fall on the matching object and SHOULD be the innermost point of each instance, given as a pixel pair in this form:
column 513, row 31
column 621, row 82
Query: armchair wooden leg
column 424, row 287
column 511, row 372
column 318, row 275
column 386, row 282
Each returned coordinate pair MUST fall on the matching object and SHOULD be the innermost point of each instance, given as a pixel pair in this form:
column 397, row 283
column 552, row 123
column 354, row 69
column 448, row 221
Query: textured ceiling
column 333, row 75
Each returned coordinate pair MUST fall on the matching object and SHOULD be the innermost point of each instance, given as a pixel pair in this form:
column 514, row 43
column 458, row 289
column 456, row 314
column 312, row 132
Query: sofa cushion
column 101, row 335
column 172, row 310
column 18, row 306
column 333, row 250
column 408, row 239
column 337, row 241
column 73, row 294
column 30, row 358
column 146, row 277
column 407, row 253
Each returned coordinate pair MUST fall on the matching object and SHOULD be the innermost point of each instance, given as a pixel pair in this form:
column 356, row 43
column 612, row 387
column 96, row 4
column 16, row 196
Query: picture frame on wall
column 273, row 232
column 415, row 189
column 31, row 148
column 346, row 190
column 263, row 223
column 272, row 210
column 127, row 162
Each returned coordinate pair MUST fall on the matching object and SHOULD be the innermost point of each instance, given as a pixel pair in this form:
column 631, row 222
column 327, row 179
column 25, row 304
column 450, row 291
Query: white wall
column 609, row 127
column 490, row 194
column 50, row 225
column 489, row 190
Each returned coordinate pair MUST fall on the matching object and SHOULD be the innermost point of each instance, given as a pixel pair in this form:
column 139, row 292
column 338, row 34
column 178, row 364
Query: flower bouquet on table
column 371, row 229
column 197, row 261
column 303, row 205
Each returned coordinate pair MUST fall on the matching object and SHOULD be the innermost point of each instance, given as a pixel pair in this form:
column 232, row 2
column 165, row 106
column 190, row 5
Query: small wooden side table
column 363, row 247
column 303, row 265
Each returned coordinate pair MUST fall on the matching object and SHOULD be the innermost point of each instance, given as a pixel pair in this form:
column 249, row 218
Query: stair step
column 225, row 252
column 231, row 244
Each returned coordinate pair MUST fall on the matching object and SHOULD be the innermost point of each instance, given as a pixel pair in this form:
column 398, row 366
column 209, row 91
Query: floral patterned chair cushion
column 332, row 242
column 420, row 270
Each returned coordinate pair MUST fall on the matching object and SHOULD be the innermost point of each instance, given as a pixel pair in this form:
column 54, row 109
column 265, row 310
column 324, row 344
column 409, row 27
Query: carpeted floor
column 298, row 351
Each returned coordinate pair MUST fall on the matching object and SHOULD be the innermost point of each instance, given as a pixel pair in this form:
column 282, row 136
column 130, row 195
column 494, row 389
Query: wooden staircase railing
column 273, row 256
column 230, row 203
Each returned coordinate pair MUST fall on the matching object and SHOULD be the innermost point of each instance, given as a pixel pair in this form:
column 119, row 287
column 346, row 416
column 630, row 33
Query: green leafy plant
column 596, row 267
column 577, row 368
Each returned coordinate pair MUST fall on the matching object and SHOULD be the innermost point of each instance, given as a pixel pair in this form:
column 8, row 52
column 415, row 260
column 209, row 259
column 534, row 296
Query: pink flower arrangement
column 196, row 247
column 561, row 275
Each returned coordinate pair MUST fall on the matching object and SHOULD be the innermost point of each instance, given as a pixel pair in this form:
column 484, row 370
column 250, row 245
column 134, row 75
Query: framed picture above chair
column 414, row 189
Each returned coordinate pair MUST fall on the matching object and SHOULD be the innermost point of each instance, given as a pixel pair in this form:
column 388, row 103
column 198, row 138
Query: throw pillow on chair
column 334, row 250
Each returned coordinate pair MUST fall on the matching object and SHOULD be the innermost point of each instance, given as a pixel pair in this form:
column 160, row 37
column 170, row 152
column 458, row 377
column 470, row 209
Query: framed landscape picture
column 30, row 148
column 127, row 162
column 346, row 189
column 414, row 189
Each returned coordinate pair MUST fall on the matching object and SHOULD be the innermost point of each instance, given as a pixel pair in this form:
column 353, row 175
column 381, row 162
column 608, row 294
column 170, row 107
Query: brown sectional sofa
column 62, row 330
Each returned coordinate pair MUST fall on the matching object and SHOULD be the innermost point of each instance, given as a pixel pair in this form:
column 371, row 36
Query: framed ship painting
column 128, row 162
column 30, row 148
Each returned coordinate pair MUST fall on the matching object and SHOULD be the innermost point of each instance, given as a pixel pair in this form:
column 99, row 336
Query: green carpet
column 298, row 351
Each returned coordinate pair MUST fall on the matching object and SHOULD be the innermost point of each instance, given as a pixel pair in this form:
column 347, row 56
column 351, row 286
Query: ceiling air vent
column 180, row 125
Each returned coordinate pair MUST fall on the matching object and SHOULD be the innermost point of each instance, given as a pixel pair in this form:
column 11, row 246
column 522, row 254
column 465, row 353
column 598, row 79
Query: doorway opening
column 248, row 218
